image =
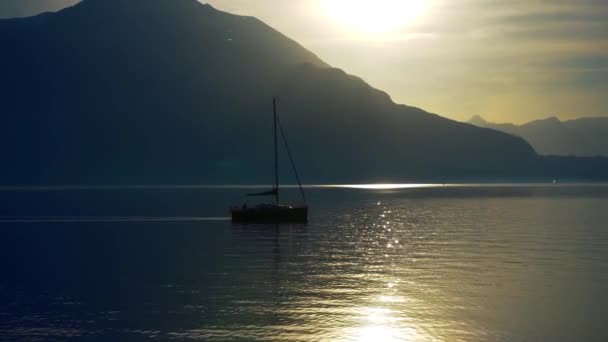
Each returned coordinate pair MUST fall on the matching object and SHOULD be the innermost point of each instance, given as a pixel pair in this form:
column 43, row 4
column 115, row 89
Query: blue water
column 471, row 263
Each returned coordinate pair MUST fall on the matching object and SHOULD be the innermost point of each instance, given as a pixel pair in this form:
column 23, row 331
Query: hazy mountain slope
column 172, row 91
column 23, row 8
column 580, row 137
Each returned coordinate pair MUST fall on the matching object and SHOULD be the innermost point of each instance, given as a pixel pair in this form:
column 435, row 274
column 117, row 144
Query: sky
column 508, row 61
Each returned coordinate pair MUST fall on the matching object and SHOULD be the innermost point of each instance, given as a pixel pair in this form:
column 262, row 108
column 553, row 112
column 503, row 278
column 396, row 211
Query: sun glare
column 378, row 16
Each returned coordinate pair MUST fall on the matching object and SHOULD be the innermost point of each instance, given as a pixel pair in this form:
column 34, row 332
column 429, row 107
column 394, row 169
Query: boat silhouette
column 275, row 212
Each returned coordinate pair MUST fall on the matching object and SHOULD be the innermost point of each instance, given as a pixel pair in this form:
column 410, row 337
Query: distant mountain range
column 580, row 137
column 174, row 92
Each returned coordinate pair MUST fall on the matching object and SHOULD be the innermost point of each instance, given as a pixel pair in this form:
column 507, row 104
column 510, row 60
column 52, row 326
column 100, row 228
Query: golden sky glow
column 508, row 61
column 380, row 16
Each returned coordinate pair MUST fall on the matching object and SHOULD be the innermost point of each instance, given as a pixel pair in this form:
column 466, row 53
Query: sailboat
column 275, row 212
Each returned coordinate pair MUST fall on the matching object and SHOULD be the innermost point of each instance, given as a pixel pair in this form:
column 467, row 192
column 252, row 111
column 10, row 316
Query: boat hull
column 270, row 214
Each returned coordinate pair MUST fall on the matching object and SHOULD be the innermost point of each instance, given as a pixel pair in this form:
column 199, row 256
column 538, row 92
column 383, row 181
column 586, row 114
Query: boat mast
column 276, row 154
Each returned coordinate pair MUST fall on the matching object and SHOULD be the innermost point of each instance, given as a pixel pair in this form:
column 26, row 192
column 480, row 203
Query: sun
column 375, row 16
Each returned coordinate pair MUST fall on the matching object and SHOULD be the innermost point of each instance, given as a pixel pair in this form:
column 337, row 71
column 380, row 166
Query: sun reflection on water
column 382, row 325
column 378, row 334
column 384, row 186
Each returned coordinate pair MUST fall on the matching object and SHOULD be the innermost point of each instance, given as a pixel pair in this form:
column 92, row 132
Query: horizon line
column 356, row 186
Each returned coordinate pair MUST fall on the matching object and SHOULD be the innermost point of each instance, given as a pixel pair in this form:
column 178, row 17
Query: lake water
column 470, row 263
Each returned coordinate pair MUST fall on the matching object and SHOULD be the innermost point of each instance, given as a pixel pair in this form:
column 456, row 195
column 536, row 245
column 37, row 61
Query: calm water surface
column 470, row 263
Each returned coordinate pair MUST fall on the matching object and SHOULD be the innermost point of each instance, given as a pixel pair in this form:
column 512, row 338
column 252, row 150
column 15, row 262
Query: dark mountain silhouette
column 173, row 91
column 25, row 8
column 580, row 137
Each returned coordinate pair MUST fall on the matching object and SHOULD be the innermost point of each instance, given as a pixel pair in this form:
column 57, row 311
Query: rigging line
column 293, row 164
column 276, row 155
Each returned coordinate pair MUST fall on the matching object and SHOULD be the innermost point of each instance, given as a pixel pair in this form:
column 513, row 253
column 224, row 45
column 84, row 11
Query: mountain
column 174, row 92
column 580, row 137
column 23, row 8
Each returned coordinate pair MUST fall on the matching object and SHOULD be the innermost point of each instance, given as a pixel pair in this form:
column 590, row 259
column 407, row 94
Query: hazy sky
column 514, row 60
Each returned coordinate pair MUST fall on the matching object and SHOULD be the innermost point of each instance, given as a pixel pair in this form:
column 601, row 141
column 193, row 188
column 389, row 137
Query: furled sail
column 272, row 192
